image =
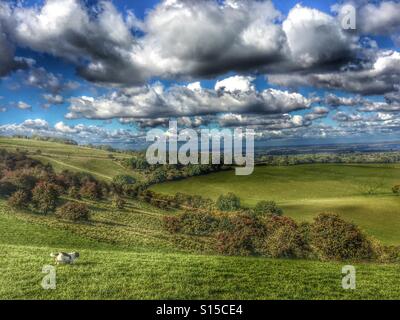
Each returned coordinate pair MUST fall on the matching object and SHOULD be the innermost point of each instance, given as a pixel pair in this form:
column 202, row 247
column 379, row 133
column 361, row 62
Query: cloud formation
column 180, row 38
column 378, row 77
column 235, row 94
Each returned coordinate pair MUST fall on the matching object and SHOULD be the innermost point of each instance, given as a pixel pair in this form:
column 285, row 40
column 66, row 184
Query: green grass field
column 137, row 264
column 126, row 254
column 303, row 191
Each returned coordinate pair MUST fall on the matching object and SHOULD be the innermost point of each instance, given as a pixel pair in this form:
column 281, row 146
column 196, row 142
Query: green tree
column 228, row 202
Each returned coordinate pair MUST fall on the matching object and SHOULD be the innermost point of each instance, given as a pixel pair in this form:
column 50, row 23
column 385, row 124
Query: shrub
column 267, row 208
column 197, row 223
column 172, row 223
column 192, row 201
column 74, row 193
column 7, row 188
column 396, row 189
column 241, row 236
column 122, row 184
column 19, row 199
column 332, row 238
column 91, row 190
column 284, row 239
column 73, row 211
column 45, row 196
column 229, row 202
column 387, row 254
column 123, row 179
column 118, row 203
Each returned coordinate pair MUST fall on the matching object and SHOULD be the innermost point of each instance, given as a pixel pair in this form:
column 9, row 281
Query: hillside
column 148, row 267
column 69, row 157
column 306, row 190
column 126, row 253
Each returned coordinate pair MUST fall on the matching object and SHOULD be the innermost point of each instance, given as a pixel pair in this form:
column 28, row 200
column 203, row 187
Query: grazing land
column 360, row 193
column 126, row 253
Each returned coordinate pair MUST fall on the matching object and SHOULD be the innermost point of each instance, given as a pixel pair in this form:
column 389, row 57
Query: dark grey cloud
column 379, row 77
column 181, row 38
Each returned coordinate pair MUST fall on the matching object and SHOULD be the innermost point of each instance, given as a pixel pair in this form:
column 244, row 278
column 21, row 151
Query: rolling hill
column 126, row 254
column 360, row 193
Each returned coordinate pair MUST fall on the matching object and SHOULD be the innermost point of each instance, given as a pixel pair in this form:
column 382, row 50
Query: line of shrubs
column 225, row 203
column 264, row 231
column 169, row 172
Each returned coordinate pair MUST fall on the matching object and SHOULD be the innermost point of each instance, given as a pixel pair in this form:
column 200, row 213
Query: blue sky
column 108, row 71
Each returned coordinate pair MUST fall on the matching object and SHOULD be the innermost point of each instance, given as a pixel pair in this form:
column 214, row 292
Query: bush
column 74, row 193
column 284, row 239
column 197, row 223
column 73, row 211
column 396, row 189
column 192, row 201
column 123, row 179
column 122, row 184
column 91, row 190
column 332, row 238
column 172, row 224
column 229, row 202
column 45, row 196
column 19, row 199
column 7, row 188
column 387, row 254
column 267, row 208
column 241, row 236
column 118, row 203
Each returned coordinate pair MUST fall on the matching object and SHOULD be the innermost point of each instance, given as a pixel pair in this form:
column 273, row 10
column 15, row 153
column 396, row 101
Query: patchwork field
column 126, row 254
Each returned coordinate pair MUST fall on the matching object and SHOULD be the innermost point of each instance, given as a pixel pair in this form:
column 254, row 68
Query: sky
column 106, row 72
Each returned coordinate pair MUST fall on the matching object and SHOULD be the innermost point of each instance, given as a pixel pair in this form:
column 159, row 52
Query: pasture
column 127, row 254
column 360, row 193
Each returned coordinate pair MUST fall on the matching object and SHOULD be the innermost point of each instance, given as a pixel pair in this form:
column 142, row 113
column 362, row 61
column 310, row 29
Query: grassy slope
column 108, row 271
column 305, row 190
column 127, row 255
column 73, row 158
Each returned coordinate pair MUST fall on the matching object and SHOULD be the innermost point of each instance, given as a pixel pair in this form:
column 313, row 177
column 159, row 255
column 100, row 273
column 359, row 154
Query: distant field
column 306, row 190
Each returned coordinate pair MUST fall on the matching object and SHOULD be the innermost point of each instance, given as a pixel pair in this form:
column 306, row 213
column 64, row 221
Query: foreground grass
column 107, row 271
column 131, row 275
column 112, row 269
column 303, row 191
